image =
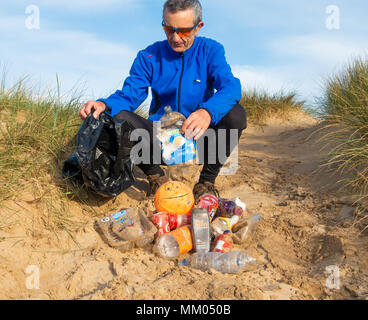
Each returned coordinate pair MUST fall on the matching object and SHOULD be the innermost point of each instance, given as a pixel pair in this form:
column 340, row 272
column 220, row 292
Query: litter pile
column 178, row 226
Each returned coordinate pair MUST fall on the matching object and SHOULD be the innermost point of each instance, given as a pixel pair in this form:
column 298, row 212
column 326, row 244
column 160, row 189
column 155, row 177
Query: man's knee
column 236, row 118
column 126, row 115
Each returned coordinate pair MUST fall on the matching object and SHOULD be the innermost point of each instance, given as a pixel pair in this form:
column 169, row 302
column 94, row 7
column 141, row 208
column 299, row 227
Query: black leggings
column 208, row 144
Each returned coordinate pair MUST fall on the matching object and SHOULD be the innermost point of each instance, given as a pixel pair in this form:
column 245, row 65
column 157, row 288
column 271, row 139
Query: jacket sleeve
column 135, row 88
column 228, row 87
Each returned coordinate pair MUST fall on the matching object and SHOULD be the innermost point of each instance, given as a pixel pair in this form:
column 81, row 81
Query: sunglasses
column 182, row 32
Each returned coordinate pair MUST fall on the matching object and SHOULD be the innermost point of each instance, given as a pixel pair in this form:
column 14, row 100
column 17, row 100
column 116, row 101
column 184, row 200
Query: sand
column 307, row 226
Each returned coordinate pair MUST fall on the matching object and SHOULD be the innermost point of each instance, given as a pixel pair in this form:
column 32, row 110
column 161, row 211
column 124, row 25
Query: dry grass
column 261, row 105
column 345, row 108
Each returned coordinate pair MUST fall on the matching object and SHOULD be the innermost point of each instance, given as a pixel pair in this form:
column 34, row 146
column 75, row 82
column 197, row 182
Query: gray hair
column 174, row 6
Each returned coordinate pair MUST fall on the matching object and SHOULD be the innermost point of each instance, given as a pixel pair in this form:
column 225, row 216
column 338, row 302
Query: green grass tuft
column 344, row 106
column 261, row 105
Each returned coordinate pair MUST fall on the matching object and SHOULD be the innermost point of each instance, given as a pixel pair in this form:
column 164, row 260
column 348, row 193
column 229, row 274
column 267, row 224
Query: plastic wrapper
column 127, row 229
column 102, row 155
column 245, row 229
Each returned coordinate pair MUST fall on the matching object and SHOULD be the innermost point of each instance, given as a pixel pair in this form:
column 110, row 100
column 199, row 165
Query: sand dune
column 307, row 225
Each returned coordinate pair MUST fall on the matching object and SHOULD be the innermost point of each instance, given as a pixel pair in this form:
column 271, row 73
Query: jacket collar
column 185, row 53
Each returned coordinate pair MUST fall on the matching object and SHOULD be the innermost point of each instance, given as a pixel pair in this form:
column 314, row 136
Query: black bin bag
column 102, row 157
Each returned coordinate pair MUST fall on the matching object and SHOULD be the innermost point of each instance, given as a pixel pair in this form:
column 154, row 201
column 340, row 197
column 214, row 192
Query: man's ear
column 200, row 25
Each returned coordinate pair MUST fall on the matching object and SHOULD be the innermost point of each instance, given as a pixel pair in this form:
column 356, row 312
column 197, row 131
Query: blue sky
column 91, row 44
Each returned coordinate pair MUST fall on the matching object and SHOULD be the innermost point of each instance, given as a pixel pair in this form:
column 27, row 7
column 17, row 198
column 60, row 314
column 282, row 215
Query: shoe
column 201, row 188
column 155, row 182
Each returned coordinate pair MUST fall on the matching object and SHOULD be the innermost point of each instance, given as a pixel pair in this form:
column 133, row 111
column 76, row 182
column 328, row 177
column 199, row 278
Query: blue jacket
column 186, row 81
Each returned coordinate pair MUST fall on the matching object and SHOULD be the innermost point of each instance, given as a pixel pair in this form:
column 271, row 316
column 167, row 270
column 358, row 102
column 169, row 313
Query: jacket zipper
column 181, row 76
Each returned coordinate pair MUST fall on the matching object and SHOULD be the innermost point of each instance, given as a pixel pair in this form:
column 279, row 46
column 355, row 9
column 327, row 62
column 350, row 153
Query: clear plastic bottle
column 229, row 262
column 172, row 119
column 201, row 230
column 221, row 224
column 227, row 208
column 171, row 245
column 176, row 149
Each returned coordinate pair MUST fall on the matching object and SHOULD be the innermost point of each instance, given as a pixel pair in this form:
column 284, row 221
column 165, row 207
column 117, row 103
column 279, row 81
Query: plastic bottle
column 210, row 202
column 175, row 243
column 227, row 208
column 240, row 206
column 201, row 230
column 172, row 119
column 176, row 148
column 224, row 242
column 221, row 224
column 229, row 262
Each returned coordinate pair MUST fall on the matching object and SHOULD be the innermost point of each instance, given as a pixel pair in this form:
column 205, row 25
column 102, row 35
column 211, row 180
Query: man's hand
column 96, row 106
column 196, row 124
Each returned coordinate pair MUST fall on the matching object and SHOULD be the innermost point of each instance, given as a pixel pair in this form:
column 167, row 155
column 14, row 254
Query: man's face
column 181, row 19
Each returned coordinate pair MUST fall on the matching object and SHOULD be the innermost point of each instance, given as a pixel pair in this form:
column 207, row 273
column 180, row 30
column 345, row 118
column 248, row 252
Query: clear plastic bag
column 245, row 229
column 127, row 229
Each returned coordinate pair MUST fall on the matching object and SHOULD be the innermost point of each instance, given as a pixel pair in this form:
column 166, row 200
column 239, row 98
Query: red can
column 179, row 220
column 161, row 221
column 209, row 202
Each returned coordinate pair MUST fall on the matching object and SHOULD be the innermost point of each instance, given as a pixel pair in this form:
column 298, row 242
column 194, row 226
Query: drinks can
column 209, row 202
column 178, row 220
column 161, row 221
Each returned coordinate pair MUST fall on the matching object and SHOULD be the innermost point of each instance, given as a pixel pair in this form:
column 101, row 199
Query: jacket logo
column 197, row 81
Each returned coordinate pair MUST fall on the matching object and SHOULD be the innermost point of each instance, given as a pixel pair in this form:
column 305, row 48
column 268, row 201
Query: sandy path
column 306, row 227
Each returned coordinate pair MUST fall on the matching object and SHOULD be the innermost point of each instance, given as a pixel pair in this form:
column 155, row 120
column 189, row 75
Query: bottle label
column 200, row 224
column 231, row 221
column 184, row 239
column 224, row 243
column 220, row 244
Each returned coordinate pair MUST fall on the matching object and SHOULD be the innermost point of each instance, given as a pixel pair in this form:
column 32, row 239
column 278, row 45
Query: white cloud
column 280, row 78
column 322, row 49
column 255, row 77
column 76, row 56
column 301, row 63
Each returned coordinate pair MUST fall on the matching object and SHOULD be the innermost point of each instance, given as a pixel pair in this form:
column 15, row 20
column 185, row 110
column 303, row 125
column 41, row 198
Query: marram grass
column 260, row 105
column 344, row 106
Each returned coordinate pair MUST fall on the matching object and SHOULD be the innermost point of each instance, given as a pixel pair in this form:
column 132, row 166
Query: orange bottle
column 171, row 245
